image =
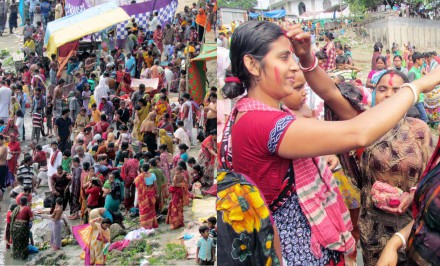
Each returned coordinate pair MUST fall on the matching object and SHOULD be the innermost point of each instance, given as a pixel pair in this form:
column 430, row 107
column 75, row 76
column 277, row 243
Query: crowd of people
column 379, row 186
column 105, row 149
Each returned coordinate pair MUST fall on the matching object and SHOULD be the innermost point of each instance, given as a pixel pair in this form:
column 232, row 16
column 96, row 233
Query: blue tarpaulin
column 254, row 15
column 275, row 13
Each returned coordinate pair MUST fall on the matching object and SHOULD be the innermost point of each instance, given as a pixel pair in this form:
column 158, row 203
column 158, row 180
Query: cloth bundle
column 384, row 194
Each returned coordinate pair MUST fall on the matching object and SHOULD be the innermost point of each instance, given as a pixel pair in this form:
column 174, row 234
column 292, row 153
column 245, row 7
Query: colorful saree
column 167, row 140
column 207, row 161
column 250, row 230
column 175, row 209
column 424, row 239
column 398, row 159
column 92, row 239
column 165, row 165
column 15, row 149
column 162, row 187
column 85, row 177
column 142, row 115
column 162, row 107
column 19, row 236
column 432, row 105
column 146, row 203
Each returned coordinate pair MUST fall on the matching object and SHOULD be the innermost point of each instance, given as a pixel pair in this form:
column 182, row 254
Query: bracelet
column 403, row 240
column 412, row 189
column 414, row 90
column 311, row 68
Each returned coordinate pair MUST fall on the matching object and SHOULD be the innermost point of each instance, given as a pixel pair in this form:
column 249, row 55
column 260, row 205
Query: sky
column 263, row 3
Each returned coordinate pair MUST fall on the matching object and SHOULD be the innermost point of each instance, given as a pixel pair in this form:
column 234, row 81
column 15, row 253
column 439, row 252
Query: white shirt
column 168, row 75
column 153, row 23
column 52, row 169
column 223, row 63
column 5, row 101
column 181, row 135
column 19, row 122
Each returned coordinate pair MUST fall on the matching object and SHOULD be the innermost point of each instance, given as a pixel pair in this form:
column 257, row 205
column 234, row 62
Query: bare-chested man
column 58, row 99
column 211, row 115
column 3, row 166
column 55, row 239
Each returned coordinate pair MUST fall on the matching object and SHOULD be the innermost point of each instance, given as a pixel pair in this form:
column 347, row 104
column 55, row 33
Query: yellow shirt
column 191, row 49
column 96, row 116
column 30, row 44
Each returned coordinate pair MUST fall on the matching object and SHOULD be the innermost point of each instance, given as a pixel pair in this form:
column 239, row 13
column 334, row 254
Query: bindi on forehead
column 391, row 79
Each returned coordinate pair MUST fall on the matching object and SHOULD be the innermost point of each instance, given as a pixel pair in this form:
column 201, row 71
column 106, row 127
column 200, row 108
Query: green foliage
column 4, row 52
column 242, row 4
column 172, row 252
column 175, row 251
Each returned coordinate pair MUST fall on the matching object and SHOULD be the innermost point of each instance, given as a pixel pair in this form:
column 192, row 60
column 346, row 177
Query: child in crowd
column 212, row 224
column 96, row 114
column 19, row 122
column 57, row 219
column 49, row 115
column 37, row 124
column 67, row 161
column 205, row 254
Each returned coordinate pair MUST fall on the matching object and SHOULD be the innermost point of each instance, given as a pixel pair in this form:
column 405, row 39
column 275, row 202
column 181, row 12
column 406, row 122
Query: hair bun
column 233, row 88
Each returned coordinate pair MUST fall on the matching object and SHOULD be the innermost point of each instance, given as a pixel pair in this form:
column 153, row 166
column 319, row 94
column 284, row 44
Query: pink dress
column 165, row 166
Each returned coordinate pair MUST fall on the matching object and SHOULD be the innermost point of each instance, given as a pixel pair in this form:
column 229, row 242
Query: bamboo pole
column 187, row 63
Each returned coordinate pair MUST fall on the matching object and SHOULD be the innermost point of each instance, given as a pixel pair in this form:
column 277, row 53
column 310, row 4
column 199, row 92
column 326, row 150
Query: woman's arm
column 389, row 253
column 355, row 69
column 368, row 84
column 361, row 131
column 318, row 80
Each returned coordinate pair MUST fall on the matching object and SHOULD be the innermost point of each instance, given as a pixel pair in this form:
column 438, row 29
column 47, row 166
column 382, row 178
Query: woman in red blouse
column 279, row 152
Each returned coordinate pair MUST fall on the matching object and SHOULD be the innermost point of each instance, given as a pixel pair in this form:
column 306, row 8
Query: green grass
column 172, row 252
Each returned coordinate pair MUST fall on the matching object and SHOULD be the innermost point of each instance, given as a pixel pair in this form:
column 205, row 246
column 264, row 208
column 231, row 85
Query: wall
column 422, row 33
column 291, row 6
column 227, row 15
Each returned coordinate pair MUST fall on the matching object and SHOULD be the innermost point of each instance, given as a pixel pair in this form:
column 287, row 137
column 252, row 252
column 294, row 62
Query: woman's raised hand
column 429, row 82
column 301, row 42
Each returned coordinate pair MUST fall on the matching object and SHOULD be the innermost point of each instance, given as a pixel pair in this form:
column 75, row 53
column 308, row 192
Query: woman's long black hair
column 250, row 38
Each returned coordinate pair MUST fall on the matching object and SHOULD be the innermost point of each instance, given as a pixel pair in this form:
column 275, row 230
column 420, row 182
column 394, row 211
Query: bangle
column 414, row 90
column 311, row 68
column 412, row 189
column 403, row 247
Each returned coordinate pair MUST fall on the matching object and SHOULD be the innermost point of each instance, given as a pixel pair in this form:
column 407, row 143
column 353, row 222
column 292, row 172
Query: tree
column 360, row 6
column 242, row 4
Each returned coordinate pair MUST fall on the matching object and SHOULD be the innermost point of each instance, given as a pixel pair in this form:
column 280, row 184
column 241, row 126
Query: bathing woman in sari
column 166, row 140
column 142, row 113
column 146, row 189
column 92, row 238
column 178, row 201
column 20, row 219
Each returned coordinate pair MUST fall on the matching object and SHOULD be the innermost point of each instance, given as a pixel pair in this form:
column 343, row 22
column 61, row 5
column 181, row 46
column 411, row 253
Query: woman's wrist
column 307, row 61
column 395, row 243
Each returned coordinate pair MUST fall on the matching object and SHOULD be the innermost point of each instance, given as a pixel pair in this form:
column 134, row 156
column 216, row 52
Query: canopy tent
column 209, row 52
column 254, row 15
column 275, row 13
column 74, row 27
